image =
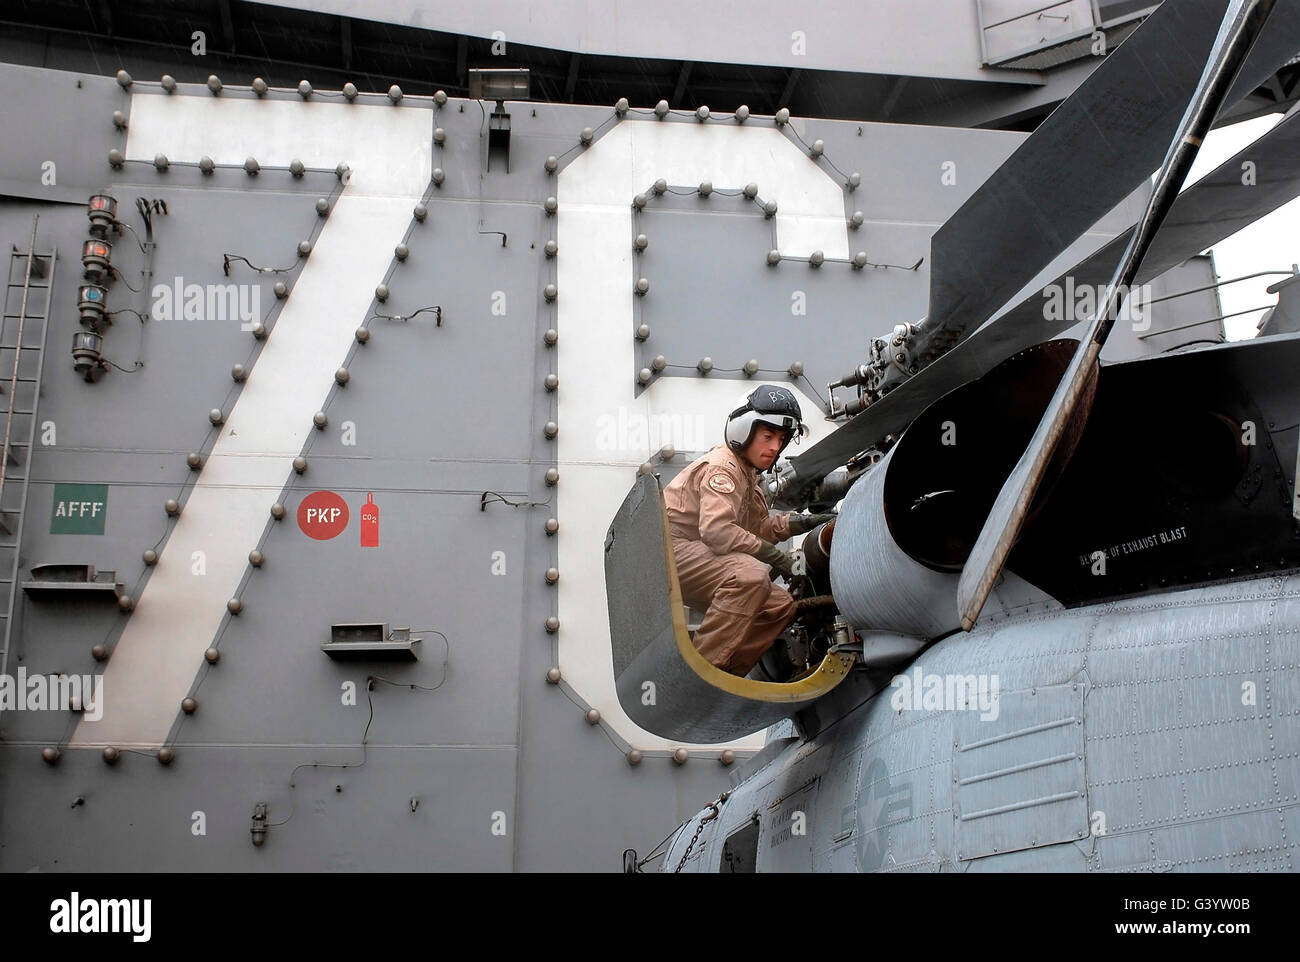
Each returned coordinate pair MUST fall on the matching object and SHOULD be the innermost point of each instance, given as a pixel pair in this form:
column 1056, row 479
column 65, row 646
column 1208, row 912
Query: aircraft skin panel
column 1154, row 734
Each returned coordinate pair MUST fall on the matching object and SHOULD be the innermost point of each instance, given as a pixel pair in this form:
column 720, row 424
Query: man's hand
column 803, row 523
column 770, row 554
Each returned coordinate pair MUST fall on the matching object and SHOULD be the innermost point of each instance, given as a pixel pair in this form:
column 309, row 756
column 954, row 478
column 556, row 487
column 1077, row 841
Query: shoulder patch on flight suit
column 721, row 483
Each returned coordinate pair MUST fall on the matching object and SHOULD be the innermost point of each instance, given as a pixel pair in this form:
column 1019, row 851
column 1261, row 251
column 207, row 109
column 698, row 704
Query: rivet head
column 207, row 164
column 160, row 161
column 440, row 97
column 212, row 656
column 817, row 258
column 190, row 706
column 322, row 207
column 586, row 135
column 300, row 464
column 394, row 93
column 742, row 113
column 110, row 755
column 552, row 382
column 855, row 180
column 438, row 176
column 119, row 120
column 782, row 116
column 259, row 331
column 634, row 757
column 304, row 88
column 661, row 109
column 621, row 106
column 125, row 603
column 645, row 468
column 550, row 292
column 552, row 575
column 439, row 135
column 552, row 476
column 552, row 525
column 259, row 86
column 769, row 208
column 552, row 162
column 342, row 375
column 381, row 293
column 124, row 79
column 215, row 416
column 304, row 248
column 194, row 460
column 643, row 332
column 150, row 556
column 297, row 167
column 350, row 90
column 642, row 286
column 681, row 755
column 281, row 290
column 234, row 606
column 818, row 148
column 551, row 337
column 796, row 368
column 553, row 676
column 320, row 419
column 727, row 757
column 252, row 166
column 363, row 334
column 751, row 190
column 705, row 365
column 706, row 188
column 51, row 755
column 701, row 113
column 116, row 157
column 659, row 363
column 401, row 252
column 860, row 260
column 667, row 452
column 645, row 375
column 421, row 212
column 166, row 756
column 751, row 367
column 342, row 171
column 238, row 372
column 660, row 186
column 172, row 506
column 641, row 242
column 551, row 248
column 168, row 83
column 99, row 652
column 552, row 625
column 856, row 220
column 593, row 716
column 551, row 429
column 256, row 558
column 551, row 205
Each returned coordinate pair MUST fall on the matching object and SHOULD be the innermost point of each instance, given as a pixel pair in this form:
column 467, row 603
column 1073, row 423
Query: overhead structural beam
column 682, row 76
column 345, row 41
column 227, row 24
column 105, row 8
column 788, row 92
column 571, row 84
column 891, row 99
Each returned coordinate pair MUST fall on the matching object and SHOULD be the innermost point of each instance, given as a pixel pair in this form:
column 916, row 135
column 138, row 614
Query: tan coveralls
column 717, row 515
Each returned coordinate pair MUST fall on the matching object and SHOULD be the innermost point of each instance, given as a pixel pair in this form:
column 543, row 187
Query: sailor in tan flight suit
column 724, row 536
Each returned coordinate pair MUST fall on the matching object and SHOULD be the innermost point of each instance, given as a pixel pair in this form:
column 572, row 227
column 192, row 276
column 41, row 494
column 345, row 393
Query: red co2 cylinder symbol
column 370, row 522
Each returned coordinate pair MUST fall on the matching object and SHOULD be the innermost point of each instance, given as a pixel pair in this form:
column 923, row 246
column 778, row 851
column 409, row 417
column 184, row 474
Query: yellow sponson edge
column 833, row 669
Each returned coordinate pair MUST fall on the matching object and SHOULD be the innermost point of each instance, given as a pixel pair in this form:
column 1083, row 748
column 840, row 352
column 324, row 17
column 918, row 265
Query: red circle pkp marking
column 322, row 515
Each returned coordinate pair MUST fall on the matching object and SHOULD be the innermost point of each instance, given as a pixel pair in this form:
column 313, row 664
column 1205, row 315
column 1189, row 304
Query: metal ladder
column 28, row 286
